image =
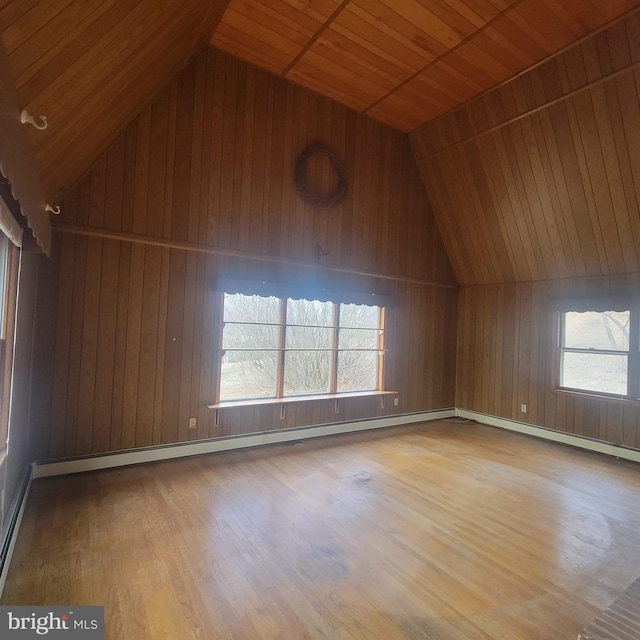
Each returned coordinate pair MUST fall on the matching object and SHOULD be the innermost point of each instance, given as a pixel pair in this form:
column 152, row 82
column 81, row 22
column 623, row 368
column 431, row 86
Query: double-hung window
column 599, row 352
column 281, row 347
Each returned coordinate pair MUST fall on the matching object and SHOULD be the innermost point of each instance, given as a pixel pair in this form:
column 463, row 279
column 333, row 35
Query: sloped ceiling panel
column 406, row 62
column 90, row 66
column 540, row 179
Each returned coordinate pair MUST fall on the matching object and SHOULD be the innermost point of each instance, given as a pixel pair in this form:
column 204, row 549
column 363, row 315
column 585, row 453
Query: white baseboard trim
column 168, row 452
column 14, row 527
column 550, row 434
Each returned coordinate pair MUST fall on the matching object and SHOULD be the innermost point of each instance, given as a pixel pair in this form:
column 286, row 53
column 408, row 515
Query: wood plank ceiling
column 406, row 62
column 92, row 65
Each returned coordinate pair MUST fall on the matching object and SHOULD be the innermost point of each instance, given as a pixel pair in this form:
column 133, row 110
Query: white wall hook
column 27, row 118
column 54, row 210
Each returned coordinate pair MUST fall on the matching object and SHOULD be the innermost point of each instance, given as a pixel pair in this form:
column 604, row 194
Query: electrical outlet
column 193, row 423
column 396, row 402
column 523, row 408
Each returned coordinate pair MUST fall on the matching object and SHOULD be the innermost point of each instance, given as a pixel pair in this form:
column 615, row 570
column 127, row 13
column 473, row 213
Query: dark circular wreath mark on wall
column 310, row 194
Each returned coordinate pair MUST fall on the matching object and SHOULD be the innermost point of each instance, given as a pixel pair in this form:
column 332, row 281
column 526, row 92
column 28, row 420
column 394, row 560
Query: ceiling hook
column 54, row 210
column 27, row 118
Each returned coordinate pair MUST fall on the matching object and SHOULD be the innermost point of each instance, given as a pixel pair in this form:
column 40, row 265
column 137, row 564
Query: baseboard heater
column 621, row 621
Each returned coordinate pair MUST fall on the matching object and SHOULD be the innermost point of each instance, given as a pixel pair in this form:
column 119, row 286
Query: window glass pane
column 309, row 338
column 241, row 308
column 357, row 370
column 358, row 339
column 358, row 316
column 593, row 330
column 310, row 313
column 248, row 374
column 250, row 336
column 600, row 372
column 306, row 372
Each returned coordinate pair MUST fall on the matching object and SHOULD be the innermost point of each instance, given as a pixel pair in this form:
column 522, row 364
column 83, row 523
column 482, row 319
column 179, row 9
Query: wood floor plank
column 439, row 531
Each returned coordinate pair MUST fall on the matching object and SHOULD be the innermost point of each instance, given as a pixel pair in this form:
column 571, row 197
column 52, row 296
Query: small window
column 277, row 348
column 594, row 352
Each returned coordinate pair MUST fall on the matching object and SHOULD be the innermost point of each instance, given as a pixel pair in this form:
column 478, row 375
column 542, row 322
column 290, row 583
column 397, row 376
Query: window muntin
column 595, row 353
column 298, row 347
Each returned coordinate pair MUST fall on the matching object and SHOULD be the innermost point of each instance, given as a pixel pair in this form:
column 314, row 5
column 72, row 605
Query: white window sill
column 278, row 401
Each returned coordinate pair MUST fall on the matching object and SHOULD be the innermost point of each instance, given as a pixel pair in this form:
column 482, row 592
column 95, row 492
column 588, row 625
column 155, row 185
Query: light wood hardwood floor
column 438, row 531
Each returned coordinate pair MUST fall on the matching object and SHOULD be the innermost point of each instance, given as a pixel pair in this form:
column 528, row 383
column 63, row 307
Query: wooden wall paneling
column 132, row 349
column 200, row 355
column 243, row 175
column 175, row 185
column 148, row 349
column 185, row 141
column 259, row 166
column 627, row 140
column 607, row 115
column 433, row 176
column 277, row 143
column 602, row 181
column 98, row 192
column 576, row 216
column 62, row 350
column 163, row 345
column 630, row 436
column 129, row 169
column 197, row 160
column 564, row 167
column 506, row 345
column 114, row 197
column 578, row 112
column 562, row 227
column 229, row 136
column 105, row 350
column 120, row 354
column 77, row 285
column 142, row 131
column 159, row 171
column 188, row 377
column 172, row 429
column 503, row 225
column 88, row 362
column 210, row 146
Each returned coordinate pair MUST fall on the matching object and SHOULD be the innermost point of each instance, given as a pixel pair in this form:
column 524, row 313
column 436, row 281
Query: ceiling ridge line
column 621, row 18
column 529, row 112
column 440, row 57
column 315, row 37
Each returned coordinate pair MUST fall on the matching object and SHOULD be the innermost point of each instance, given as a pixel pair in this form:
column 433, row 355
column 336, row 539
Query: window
column 8, row 283
column 599, row 352
column 276, row 348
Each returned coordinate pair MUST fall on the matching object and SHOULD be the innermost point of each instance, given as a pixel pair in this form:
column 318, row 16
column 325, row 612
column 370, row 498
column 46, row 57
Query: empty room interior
column 321, row 318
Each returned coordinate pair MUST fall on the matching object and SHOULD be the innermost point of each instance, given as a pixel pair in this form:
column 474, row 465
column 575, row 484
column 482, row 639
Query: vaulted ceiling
column 405, row 62
column 91, row 65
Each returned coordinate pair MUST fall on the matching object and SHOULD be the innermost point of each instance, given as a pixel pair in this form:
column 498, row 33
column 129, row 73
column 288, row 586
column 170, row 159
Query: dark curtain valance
column 316, row 290
column 600, row 304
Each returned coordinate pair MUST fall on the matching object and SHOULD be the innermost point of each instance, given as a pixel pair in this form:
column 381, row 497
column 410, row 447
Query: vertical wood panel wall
column 127, row 327
column 534, row 184
column 507, row 336
column 539, row 179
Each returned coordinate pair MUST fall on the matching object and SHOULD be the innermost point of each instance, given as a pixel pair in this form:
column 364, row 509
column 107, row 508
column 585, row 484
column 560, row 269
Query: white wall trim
column 15, row 528
column 167, row 452
column 550, row 434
